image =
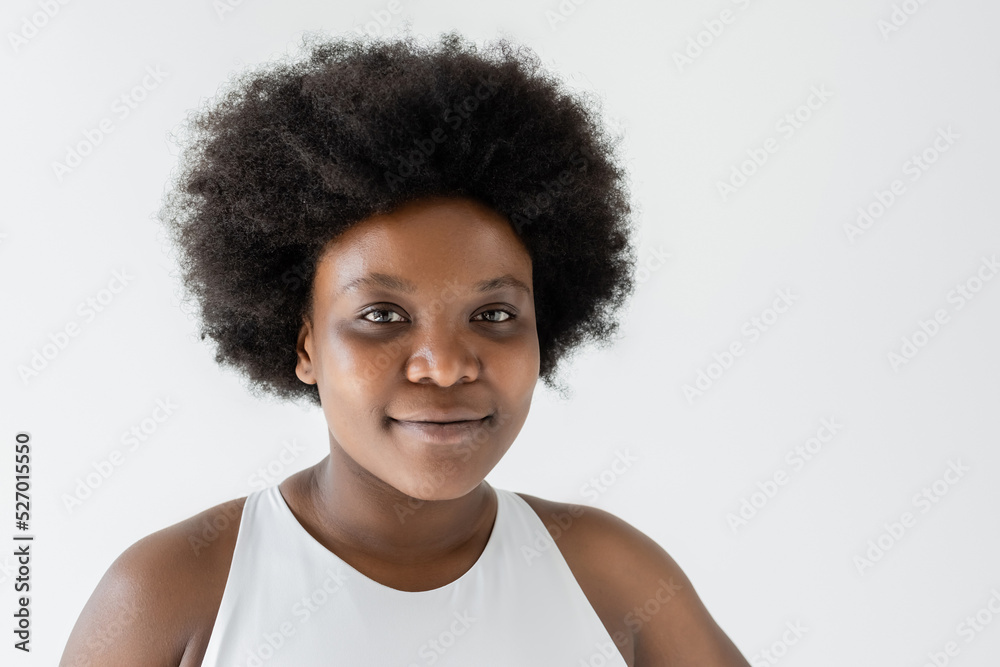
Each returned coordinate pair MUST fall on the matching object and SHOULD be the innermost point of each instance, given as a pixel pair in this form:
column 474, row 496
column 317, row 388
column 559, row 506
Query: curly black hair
column 298, row 150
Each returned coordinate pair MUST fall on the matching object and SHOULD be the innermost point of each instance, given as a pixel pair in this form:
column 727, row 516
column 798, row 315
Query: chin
column 428, row 489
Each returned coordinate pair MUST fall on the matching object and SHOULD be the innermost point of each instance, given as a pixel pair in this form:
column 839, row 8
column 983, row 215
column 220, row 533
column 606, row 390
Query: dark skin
column 408, row 512
column 400, row 504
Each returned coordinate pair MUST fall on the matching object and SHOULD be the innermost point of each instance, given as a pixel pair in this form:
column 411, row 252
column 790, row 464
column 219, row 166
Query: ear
column 304, row 350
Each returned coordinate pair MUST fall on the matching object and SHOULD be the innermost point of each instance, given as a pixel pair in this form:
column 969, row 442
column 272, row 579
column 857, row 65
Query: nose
column 442, row 354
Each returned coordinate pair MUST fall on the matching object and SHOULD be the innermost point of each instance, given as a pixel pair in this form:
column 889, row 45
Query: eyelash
column 376, row 309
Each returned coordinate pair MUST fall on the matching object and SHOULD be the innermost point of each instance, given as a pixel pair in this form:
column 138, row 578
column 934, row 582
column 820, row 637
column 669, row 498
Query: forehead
column 429, row 243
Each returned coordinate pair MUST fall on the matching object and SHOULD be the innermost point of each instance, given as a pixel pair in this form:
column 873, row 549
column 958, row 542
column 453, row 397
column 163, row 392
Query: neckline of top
column 491, row 546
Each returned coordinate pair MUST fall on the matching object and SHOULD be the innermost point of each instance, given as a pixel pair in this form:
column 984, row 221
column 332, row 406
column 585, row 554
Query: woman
column 409, row 237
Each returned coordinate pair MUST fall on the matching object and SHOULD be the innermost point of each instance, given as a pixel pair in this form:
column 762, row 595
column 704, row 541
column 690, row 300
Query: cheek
column 353, row 392
column 519, row 364
column 373, row 366
column 355, row 358
column 514, row 377
column 360, row 376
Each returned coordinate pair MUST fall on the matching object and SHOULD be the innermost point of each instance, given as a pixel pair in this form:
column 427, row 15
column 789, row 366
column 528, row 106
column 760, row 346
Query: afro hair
column 294, row 152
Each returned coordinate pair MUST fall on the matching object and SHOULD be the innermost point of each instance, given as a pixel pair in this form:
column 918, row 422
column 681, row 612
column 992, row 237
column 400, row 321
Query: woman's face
column 423, row 316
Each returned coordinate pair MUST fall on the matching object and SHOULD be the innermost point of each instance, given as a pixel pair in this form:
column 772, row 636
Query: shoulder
column 649, row 593
column 160, row 596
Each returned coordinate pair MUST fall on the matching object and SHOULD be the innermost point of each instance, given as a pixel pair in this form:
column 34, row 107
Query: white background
column 685, row 128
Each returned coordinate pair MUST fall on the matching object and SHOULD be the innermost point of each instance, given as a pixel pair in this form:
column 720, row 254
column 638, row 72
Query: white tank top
column 291, row 602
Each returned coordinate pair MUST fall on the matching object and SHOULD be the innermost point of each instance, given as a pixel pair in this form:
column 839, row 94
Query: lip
column 455, row 414
column 443, row 433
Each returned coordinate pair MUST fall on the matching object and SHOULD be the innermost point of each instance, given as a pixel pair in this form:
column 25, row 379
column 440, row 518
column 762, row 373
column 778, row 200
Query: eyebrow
column 398, row 284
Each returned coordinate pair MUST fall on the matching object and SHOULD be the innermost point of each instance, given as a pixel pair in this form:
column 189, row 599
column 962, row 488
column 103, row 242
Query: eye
column 365, row 315
column 380, row 312
column 506, row 312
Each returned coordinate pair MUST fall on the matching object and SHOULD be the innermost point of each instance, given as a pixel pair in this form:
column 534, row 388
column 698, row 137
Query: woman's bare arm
column 133, row 617
column 156, row 604
column 671, row 625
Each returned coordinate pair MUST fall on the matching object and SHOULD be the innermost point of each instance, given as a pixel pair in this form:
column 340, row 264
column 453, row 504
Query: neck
column 358, row 512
